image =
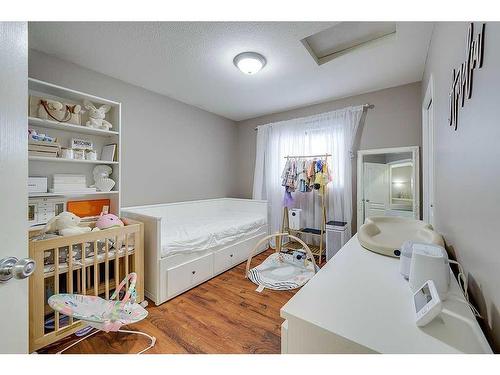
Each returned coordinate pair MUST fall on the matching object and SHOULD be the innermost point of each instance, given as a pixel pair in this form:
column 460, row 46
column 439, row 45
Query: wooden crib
column 94, row 268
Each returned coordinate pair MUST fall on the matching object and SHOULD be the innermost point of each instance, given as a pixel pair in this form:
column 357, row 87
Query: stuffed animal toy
column 97, row 115
column 66, row 224
column 108, row 221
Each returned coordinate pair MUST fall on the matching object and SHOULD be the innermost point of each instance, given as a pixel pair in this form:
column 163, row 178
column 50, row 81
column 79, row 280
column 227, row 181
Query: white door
column 376, row 189
column 13, row 184
column 428, row 156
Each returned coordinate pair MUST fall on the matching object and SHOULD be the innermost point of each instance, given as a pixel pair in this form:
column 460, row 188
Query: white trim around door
column 414, row 150
column 428, row 154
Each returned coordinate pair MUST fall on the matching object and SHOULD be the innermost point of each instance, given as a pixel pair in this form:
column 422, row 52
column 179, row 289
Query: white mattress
column 203, row 232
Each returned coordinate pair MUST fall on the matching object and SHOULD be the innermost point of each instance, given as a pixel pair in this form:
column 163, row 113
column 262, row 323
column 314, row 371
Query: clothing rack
column 316, row 250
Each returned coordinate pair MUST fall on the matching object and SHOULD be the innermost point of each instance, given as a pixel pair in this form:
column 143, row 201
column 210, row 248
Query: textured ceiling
column 193, row 61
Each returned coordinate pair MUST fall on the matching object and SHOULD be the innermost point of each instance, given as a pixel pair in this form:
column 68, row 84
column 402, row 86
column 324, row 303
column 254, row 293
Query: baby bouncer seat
column 104, row 315
column 282, row 271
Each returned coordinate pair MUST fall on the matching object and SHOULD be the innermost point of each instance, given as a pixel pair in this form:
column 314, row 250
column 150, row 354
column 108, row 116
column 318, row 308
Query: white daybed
column 187, row 243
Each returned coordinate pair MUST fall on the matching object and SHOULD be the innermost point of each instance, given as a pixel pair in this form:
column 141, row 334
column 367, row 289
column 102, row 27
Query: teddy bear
column 97, row 115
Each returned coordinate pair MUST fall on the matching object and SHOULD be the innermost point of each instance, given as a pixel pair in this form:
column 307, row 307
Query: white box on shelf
column 66, row 177
column 37, row 184
column 335, row 237
column 69, row 182
column 81, row 144
column 295, row 218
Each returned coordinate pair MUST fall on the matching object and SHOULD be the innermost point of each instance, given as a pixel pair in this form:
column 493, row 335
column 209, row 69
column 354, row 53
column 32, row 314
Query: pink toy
column 108, row 221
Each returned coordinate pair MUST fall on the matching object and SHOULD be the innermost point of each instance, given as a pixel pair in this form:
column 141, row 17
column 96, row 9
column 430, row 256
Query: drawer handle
column 231, row 255
column 193, row 272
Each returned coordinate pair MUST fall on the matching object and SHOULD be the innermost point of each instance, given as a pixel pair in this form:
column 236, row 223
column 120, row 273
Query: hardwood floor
column 224, row 315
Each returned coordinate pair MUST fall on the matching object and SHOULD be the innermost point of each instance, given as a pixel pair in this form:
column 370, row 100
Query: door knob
column 12, row 267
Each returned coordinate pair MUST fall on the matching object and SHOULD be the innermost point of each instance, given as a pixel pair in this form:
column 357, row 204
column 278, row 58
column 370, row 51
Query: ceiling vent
column 346, row 37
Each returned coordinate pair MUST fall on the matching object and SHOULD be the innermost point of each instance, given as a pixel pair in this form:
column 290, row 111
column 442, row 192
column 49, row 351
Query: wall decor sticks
column 461, row 87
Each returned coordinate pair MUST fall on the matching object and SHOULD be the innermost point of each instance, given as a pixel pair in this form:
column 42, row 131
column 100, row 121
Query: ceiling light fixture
column 249, row 62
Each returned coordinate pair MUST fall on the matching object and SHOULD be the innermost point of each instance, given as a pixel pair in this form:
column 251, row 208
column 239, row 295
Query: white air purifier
column 336, row 235
column 295, row 219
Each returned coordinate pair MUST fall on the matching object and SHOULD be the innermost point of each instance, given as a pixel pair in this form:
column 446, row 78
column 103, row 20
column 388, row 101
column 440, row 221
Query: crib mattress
column 204, row 232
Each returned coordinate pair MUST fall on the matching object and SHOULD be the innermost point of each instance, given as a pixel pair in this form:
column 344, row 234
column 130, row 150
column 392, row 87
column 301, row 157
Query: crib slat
column 126, row 256
column 106, row 269
column 56, row 286
column 69, row 277
column 37, row 293
column 78, row 283
column 69, row 284
column 117, row 264
column 88, row 277
column 83, row 280
column 96, row 275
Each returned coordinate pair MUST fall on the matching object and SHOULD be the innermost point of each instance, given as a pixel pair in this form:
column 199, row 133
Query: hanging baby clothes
column 289, row 181
column 302, row 177
column 289, row 175
column 318, row 165
column 284, row 174
column 288, row 201
column 310, row 174
column 322, row 176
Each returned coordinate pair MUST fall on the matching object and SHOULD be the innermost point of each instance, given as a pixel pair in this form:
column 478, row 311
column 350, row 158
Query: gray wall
column 395, row 121
column 467, row 164
column 171, row 151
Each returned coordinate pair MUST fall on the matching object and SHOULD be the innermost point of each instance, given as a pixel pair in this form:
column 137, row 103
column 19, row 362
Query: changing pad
column 203, row 232
column 385, row 235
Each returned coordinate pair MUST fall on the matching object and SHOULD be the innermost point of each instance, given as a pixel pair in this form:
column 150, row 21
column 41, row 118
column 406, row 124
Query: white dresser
column 359, row 303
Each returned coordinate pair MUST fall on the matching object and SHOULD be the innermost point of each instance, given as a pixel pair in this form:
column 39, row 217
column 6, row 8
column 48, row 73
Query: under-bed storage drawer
column 226, row 258
column 187, row 275
column 233, row 255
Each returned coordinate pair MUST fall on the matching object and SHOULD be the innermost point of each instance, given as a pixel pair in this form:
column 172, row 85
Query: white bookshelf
column 48, row 166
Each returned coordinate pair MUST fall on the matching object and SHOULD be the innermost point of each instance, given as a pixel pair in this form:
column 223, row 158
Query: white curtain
column 332, row 133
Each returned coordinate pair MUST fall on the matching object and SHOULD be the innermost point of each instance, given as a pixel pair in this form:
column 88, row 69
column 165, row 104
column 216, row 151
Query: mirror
column 388, row 183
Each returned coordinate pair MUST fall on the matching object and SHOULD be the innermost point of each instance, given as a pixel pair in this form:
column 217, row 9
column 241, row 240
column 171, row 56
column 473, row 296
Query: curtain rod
column 307, row 156
column 367, row 106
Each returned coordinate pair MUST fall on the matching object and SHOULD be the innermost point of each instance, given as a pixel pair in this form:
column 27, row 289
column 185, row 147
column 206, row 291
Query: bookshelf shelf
column 80, row 129
column 62, row 160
